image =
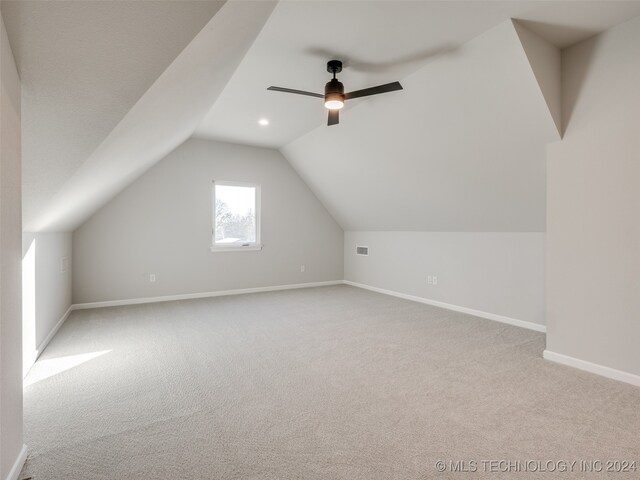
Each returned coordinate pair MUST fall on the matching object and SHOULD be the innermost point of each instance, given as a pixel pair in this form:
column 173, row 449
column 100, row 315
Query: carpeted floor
column 323, row 383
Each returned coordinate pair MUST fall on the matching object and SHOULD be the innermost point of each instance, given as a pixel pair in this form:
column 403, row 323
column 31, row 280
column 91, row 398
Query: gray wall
column 593, row 202
column 10, row 261
column 52, row 290
column 162, row 224
column 53, row 286
column 500, row 273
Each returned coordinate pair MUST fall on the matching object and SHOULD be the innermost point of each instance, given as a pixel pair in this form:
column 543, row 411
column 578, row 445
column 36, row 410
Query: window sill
column 236, row 248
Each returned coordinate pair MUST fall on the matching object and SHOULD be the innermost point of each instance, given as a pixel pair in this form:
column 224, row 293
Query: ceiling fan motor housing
column 334, row 66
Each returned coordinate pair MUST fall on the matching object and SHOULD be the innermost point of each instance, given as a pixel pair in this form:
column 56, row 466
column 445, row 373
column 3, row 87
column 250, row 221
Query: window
column 236, row 216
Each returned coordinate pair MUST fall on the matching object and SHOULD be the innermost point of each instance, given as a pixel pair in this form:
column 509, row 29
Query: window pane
column 235, row 214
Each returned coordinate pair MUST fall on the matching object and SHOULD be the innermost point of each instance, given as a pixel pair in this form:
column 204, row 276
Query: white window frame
column 240, row 246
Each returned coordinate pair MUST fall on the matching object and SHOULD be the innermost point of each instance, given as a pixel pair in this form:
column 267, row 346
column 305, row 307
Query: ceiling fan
column 334, row 96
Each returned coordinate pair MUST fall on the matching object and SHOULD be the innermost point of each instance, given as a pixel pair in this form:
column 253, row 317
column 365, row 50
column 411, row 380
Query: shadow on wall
column 570, row 93
column 417, row 58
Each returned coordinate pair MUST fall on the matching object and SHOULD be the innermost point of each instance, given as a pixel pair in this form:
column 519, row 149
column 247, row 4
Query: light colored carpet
column 322, row 383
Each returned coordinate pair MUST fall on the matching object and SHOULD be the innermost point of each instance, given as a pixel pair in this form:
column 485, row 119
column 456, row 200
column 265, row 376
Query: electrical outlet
column 302, row 268
column 435, row 280
column 429, row 280
column 152, row 277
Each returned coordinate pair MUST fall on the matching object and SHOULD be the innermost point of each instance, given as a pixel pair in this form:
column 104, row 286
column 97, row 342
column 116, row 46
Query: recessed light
column 264, row 122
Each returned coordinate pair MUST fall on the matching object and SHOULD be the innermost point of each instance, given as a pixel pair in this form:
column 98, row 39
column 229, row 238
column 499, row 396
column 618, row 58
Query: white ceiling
column 83, row 65
column 379, row 41
column 462, row 148
column 111, row 87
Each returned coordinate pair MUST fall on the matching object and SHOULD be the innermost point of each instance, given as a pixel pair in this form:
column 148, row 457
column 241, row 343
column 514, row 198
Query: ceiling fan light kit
column 334, row 96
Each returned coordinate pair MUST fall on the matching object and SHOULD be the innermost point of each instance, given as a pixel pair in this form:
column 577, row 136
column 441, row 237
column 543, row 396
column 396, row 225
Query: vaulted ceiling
column 379, row 42
column 109, row 88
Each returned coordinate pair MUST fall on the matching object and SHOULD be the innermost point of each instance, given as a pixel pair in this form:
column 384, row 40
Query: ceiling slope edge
column 164, row 117
column 545, row 62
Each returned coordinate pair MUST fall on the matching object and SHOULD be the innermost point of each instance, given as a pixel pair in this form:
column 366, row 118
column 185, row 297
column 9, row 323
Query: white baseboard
column 189, row 296
column 592, row 367
column 14, row 473
column 38, row 351
column 478, row 313
column 54, row 330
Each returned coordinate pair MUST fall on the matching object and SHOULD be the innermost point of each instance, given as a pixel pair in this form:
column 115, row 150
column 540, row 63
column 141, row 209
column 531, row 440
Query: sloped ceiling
column 379, row 42
column 461, row 148
column 112, row 87
column 83, row 65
